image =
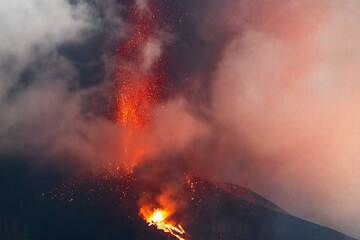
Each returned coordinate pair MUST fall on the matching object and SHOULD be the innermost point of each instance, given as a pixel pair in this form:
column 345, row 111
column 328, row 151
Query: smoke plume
column 42, row 97
column 286, row 99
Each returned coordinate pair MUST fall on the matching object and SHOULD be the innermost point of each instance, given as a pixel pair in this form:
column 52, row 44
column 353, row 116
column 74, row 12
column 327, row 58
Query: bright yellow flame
column 159, row 219
column 158, row 216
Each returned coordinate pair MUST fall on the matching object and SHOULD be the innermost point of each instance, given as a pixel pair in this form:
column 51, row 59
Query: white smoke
column 31, row 29
column 42, row 115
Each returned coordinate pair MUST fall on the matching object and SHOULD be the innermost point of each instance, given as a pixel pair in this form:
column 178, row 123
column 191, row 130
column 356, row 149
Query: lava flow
column 139, row 91
column 160, row 219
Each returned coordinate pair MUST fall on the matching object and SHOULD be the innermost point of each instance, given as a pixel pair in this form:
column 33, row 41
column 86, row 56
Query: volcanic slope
column 226, row 211
column 106, row 207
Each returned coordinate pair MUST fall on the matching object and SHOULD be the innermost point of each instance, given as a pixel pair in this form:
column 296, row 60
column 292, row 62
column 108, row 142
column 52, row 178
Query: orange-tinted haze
column 287, row 98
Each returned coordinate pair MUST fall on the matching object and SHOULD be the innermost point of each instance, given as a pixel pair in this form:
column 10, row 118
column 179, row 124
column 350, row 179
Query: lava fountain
column 139, row 77
column 138, row 85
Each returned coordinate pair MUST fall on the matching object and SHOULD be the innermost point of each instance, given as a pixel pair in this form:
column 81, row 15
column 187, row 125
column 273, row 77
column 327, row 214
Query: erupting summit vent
column 139, row 76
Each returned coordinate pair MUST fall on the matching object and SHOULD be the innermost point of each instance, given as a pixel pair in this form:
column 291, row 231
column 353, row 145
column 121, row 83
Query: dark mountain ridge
column 36, row 205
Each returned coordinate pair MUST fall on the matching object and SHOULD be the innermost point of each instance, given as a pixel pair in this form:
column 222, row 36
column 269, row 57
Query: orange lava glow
column 138, row 94
column 138, row 86
column 160, row 219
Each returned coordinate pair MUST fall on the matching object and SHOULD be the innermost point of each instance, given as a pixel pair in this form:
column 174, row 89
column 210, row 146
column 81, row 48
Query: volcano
column 105, row 207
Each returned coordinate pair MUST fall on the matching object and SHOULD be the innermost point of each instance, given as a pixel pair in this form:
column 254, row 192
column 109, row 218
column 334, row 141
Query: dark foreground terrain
column 44, row 205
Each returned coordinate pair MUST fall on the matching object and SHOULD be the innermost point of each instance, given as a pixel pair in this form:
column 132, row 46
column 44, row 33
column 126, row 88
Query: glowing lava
column 138, row 83
column 139, row 77
column 160, row 219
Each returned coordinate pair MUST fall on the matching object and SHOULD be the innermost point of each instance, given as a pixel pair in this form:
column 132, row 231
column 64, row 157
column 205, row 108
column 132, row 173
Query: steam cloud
column 21, row 45
column 41, row 110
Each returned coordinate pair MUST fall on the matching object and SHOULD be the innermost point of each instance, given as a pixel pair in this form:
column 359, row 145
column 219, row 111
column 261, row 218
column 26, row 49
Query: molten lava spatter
column 138, row 83
column 160, row 219
column 139, row 77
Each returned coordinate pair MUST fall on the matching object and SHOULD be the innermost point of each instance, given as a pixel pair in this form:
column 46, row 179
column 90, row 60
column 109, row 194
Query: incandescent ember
column 138, row 93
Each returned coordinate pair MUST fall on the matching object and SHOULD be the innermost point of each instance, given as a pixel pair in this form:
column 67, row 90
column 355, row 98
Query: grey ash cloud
column 52, row 61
